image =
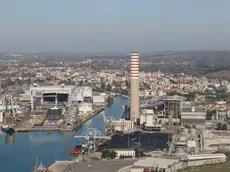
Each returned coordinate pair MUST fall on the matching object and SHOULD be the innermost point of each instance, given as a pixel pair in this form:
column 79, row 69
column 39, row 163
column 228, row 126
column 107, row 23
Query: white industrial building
column 193, row 114
column 175, row 164
column 36, row 90
column 123, row 125
column 40, row 92
column 124, row 152
column 81, row 93
column 145, row 116
column 26, row 97
column 85, row 107
column 99, row 100
column 167, row 164
column 87, row 91
column 203, row 159
column 128, row 125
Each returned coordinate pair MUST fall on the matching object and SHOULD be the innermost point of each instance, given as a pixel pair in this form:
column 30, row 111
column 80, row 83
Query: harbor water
column 19, row 152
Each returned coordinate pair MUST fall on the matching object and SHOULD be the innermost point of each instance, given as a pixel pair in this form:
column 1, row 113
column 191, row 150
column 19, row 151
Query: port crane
column 12, row 106
column 92, row 133
column 92, row 137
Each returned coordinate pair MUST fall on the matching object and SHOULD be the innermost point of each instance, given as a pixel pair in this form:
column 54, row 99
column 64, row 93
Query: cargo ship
column 8, row 129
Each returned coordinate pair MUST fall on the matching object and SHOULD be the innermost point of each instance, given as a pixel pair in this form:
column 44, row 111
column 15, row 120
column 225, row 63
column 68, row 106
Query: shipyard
column 51, row 108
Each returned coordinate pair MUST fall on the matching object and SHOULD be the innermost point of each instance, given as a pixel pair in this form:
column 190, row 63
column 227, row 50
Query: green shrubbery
column 109, row 154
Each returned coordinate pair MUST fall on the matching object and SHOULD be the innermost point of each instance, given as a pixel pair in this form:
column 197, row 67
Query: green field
column 210, row 168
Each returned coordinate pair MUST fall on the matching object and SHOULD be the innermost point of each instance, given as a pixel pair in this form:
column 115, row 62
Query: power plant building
column 134, row 109
column 193, row 114
column 172, row 107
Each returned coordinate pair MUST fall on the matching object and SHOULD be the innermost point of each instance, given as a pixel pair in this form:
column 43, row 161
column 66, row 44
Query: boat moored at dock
column 8, row 129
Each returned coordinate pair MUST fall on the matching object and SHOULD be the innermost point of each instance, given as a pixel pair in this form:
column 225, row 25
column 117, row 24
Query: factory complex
column 51, row 107
column 160, row 163
column 164, row 133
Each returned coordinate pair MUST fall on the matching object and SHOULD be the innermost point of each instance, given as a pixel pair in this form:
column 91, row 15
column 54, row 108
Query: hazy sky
column 114, row 25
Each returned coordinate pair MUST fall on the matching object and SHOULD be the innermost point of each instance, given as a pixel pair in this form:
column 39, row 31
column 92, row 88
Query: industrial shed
column 167, row 164
column 202, row 159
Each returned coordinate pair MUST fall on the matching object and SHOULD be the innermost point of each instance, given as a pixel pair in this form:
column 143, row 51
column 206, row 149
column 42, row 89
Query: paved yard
column 92, row 166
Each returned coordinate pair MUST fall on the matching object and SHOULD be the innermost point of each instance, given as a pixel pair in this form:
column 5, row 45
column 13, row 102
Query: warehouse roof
column 51, row 87
column 205, row 156
column 155, row 162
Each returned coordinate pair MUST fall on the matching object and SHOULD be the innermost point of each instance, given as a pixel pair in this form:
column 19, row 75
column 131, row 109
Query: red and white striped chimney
column 134, row 102
column 134, row 65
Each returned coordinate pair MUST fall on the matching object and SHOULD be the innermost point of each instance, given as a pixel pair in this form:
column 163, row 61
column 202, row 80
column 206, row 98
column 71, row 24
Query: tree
column 219, row 125
column 109, row 87
column 113, row 154
column 210, row 114
column 224, row 127
column 190, row 96
column 105, row 153
column 80, row 82
column 109, row 154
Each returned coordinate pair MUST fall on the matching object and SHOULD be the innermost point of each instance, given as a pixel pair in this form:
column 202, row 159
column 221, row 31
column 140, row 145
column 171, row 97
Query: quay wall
column 56, row 129
column 88, row 118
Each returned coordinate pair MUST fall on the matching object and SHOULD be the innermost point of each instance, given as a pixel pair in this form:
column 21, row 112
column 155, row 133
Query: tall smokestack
column 134, row 112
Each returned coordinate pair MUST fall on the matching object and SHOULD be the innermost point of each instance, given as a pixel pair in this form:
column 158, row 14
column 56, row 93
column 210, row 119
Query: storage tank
column 193, row 132
column 182, row 138
column 142, row 119
column 186, row 131
column 196, row 144
column 180, row 150
column 149, row 120
column 8, row 107
column 191, row 143
column 182, row 141
column 148, row 111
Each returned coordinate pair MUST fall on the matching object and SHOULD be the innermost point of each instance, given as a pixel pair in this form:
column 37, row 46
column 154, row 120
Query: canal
column 20, row 154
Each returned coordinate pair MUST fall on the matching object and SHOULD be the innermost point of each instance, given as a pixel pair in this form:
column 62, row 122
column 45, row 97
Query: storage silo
column 142, row 119
column 149, row 120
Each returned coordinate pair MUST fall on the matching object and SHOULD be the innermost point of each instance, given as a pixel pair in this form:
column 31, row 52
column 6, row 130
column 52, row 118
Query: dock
column 88, row 118
column 57, row 129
